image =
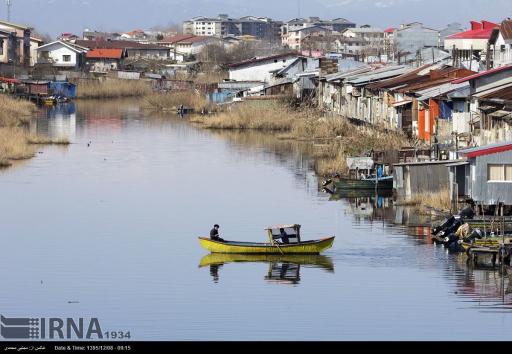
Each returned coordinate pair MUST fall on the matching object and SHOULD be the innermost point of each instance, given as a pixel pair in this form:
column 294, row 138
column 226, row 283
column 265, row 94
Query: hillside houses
column 17, row 45
column 394, row 97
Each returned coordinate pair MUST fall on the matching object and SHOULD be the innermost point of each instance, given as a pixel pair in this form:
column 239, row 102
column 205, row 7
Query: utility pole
column 9, row 4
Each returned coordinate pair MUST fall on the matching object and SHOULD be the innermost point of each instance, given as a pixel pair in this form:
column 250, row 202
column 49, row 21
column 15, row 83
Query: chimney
column 488, row 25
column 476, row 25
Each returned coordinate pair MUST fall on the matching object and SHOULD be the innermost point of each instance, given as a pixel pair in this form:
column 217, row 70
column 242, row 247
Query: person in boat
column 284, row 236
column 214, row 234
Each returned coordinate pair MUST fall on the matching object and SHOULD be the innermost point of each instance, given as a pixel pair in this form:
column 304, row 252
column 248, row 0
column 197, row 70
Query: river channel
column 107, row 228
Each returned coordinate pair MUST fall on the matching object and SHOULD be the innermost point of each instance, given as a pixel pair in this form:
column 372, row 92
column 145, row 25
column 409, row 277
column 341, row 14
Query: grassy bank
column 437, row 200
column 171, row 101
column 16, row 143
column 112, row 88
column 339, row 137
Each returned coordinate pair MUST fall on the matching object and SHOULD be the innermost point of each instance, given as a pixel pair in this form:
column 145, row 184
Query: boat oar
column 278, row 247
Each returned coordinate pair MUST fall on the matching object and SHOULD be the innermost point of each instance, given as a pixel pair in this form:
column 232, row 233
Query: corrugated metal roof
column 263, row 59
column 439, row 90
column 345, row 74
column 506, row 30
column 483, row 73
column 379, row 74
column 504, row 93
column 487, row 149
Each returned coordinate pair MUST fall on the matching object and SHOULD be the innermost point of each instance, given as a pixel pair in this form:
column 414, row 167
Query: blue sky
column 57, row 16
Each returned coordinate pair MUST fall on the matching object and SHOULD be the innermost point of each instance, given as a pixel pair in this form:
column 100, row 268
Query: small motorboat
column 283, row 239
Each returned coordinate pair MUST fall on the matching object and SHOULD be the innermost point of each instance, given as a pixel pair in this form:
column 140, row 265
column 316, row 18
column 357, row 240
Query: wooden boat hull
column 310, row 247
column 365, row 184
column 316, row 261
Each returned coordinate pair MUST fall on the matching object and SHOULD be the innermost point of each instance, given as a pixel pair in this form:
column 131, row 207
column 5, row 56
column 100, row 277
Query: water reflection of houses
column 369, row 208
column 487, row 288
column 58, row 122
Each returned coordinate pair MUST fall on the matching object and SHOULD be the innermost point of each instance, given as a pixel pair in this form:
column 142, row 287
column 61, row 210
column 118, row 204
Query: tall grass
column 264, row 116
column 171, row 101
column 340, row 137
column 113, row 88
column 14, row 112
column 16, row 143
column 438, row 200
column 14, row 146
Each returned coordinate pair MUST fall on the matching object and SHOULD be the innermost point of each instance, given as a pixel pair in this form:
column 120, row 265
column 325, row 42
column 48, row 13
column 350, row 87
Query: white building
column 17, row 45
column 294, row 39
column 188, row 44
column 62, row 54
column 260, row 69
column 501, row 44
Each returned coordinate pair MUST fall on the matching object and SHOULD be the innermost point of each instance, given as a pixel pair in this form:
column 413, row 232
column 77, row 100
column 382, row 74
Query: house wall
column 56, row 52
column 502, row 52
column 466, row 44
column 103, row 65
column 411, row 180
column 258, row 71
column 490, row 193
column 148, row 53
column 411, row 39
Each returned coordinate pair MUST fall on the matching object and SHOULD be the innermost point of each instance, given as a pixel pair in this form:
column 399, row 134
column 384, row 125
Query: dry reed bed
column 171, row 101
column 437, row 200
column 341, row 138
column 113, row 88
column 16, row 143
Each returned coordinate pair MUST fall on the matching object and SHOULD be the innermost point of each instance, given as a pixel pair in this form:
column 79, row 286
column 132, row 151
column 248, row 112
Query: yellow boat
column 316, row 261
column 288, row 234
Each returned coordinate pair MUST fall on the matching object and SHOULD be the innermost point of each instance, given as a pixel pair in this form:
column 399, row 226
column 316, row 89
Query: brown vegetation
column 15, row 141
column 113, row 88
column 171, row 101
column 341, row 138
column 437, row 200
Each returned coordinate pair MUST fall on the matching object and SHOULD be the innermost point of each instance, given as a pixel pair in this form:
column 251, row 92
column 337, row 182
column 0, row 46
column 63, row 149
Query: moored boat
column 284, row 239
column 381, row 183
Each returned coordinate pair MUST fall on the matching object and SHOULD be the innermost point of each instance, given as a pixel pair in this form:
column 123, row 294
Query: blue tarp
column 63, row 88
column 445, row 110
column 220, row 97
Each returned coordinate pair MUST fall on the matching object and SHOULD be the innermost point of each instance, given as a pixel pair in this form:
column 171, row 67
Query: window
column 66, row 58
column 499, row 173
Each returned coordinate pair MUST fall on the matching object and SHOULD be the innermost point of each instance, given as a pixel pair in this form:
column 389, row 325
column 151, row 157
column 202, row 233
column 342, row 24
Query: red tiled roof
column 105, row 54
column 483, row 73
column 478, row 31
column 389, row 30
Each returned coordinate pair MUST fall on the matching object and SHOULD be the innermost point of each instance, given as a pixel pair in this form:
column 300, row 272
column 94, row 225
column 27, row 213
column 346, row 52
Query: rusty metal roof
column 506, row 30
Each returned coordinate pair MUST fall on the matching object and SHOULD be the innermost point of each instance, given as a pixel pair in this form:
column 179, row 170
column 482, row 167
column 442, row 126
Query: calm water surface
column 110, row 231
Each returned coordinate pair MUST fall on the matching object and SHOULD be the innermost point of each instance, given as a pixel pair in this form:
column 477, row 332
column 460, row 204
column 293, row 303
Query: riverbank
column 169, row 102
column 335, row 138
column 439, row 201
column 16, row 143
column 113, row 88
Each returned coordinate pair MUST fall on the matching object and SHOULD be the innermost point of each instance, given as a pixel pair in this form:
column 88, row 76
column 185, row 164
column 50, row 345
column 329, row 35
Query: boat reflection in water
column 283, row 269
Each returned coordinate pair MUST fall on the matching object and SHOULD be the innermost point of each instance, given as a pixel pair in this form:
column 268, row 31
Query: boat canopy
column 291, row 233
column 360, row 163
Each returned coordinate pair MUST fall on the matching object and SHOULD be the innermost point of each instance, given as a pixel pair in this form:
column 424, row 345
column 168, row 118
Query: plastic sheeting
column 361, row 163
